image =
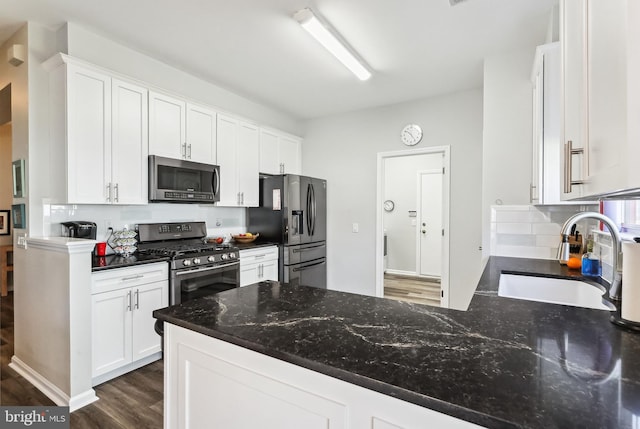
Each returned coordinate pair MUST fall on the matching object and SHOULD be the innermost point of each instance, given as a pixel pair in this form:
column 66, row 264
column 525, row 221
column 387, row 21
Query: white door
column 430, row 223
column 130, row 144
column 227, row 132
column 167, row 126
column 88, row 136
column 269, row 158
column 110, row 330
column 248, row 165
column 145, row 300
column 290, row 155
column 201, row 134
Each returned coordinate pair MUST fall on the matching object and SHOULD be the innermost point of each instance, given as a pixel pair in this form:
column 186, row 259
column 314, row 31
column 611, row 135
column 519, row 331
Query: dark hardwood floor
column 134, row 400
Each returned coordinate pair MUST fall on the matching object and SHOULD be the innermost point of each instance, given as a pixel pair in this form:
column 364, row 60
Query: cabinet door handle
column 109, row 193
column 133, row 277
column 569, row 151
column 183, row 149
column 189, row 153
column 531, row 196
column 137, row 300
column 117, row 192
column 282, row 168
column 129, row 301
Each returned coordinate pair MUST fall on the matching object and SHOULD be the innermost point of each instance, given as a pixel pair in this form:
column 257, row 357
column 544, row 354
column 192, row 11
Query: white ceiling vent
column 455, row 2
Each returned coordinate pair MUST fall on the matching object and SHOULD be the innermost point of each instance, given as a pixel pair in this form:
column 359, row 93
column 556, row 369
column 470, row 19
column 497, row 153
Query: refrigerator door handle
column 307, row 267
column 314, row 209
column 309, row 212
column 306, row 249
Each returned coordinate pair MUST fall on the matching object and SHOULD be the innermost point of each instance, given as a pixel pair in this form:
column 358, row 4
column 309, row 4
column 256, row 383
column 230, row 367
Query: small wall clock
column 411, row 134
column 388, row 206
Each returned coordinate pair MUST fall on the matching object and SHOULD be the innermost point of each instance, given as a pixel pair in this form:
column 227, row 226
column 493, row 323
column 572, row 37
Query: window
column 625, row 214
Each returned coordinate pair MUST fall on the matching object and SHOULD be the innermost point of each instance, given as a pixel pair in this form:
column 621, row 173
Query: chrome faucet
column 563, row 251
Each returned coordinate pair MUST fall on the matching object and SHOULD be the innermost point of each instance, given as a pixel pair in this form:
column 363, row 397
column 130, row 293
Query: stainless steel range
column 196, row 268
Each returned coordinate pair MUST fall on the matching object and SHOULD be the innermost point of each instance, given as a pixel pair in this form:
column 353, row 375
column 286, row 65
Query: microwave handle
column 215, row 182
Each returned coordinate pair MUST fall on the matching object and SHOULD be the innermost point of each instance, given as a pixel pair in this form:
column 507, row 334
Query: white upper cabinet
column 238, row 147
column 129, row 148
column 181, row 130
column 167, row 126
column 279, row 153
column 98, row 135
column 88, row 142
column 201, row 134
column 594, row 97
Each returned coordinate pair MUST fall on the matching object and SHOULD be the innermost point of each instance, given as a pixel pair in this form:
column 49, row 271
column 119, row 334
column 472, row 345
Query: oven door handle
column 200, row 270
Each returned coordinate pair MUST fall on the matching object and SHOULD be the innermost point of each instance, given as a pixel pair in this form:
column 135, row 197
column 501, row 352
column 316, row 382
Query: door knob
column 424, row 231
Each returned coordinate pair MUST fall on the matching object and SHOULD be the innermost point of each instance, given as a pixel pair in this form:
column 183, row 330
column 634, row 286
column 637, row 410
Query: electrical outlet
column 218, row 222
column 355, row 228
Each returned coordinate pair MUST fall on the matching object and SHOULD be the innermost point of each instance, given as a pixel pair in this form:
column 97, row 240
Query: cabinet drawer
column 258, row 255
column 119, row 278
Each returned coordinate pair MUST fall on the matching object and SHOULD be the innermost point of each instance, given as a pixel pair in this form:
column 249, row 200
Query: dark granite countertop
column 502, row 363
column 100, row 263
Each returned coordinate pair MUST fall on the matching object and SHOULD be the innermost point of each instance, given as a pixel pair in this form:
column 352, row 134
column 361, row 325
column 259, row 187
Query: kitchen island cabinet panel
column 206, row 377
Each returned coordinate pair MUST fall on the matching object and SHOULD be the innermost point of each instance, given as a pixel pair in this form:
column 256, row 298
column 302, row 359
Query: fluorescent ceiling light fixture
column 310, row 22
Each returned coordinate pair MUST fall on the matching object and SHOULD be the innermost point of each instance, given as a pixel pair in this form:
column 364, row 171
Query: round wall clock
column 388, row 206
column 411, row 134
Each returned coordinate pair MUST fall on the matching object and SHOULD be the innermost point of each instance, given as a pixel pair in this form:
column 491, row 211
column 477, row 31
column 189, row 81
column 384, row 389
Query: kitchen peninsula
column 290, row 356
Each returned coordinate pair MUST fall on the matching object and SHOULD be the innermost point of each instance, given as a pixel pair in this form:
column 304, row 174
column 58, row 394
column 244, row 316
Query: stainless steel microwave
column 179, row 181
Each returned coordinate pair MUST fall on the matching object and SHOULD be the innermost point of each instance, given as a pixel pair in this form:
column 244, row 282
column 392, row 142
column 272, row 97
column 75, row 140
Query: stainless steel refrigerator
column 293, row 214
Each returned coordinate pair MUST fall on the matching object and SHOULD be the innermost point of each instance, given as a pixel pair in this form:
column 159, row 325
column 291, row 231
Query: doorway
column 412, row 224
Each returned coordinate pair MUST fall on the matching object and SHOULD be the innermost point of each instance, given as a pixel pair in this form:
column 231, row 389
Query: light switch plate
column 355, row 228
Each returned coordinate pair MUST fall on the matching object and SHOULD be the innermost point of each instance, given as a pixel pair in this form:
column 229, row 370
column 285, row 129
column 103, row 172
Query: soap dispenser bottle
column 591, row 265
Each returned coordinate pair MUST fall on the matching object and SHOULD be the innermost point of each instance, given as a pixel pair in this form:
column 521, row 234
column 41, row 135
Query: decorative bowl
column 245, row 239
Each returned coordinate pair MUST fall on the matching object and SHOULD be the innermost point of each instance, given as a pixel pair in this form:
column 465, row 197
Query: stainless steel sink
column 554, row 291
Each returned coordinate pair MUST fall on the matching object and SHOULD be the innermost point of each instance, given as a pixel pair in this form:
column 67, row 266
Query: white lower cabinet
column 213, row 383
column 258, row 265
column 122, row 303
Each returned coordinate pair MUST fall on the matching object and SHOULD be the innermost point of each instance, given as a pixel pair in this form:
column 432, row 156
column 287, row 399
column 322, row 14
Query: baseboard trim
column 125, row 369
column 401, row 273
column 49, row 389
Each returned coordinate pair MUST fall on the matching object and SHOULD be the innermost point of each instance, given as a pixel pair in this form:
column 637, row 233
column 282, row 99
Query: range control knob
column 232, row 255
column 211, row 259
column 224, row 256
column 186, row 262
column 196, row 261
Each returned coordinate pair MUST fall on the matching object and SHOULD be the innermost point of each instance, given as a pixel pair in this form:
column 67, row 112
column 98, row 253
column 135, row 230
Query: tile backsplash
column 525, row 231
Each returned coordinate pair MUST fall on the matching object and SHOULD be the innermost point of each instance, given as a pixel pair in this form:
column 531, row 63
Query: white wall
column 401, row 186
column 343, row 149
column 507, row 139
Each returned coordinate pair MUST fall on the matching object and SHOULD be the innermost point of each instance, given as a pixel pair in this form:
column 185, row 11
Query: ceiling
column 416, row 48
